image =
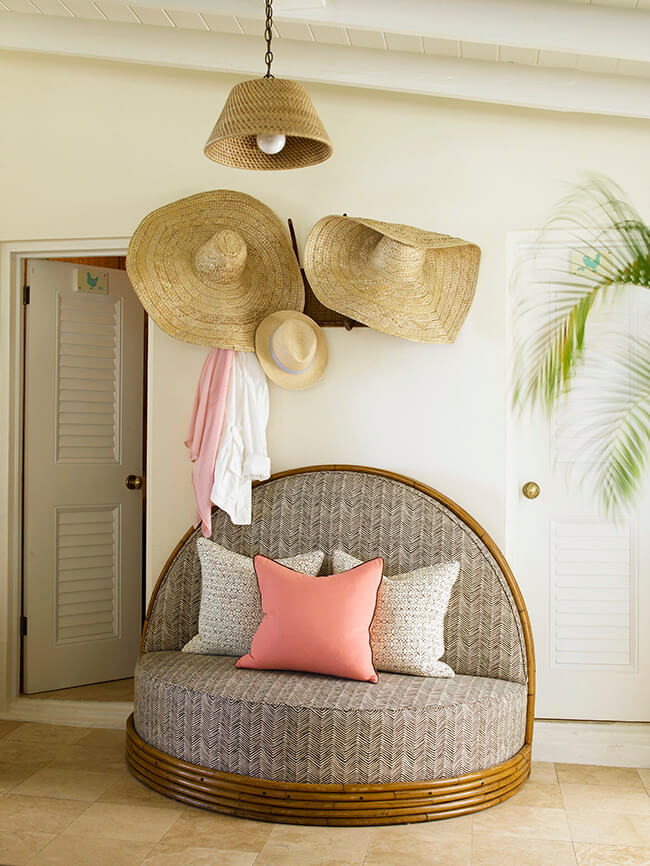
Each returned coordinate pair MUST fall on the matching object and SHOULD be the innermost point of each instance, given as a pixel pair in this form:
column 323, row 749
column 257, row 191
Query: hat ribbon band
column 282, row 366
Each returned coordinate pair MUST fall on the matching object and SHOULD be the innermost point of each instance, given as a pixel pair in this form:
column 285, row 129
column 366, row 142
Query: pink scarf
column 204, row 434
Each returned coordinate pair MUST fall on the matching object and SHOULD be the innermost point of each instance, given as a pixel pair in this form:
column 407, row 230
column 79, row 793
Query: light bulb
column 271, row 143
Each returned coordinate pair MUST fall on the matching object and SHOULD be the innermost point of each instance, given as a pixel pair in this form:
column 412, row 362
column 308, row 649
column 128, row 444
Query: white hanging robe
column 242, row 457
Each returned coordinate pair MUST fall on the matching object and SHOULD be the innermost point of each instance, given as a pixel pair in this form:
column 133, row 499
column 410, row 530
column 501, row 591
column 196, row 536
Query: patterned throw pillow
column 230, row 610
column 407, row 633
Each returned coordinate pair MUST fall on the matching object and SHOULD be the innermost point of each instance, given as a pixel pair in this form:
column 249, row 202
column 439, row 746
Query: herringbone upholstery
column 366, row 515
column 295, row 727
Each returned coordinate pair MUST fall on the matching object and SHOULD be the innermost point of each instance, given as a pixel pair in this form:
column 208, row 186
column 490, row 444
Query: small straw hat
column 292, row 349
column 210, row 267
column 397, row 279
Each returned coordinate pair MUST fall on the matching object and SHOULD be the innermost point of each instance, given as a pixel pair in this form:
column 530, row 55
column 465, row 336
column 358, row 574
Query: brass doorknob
column 133, row 482
column 530, row 490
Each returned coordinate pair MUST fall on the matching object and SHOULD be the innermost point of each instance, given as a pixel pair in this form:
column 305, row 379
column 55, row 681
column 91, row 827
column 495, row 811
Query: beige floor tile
column 615, row 828
column 209, row 830
column 586, row 774
column 409, row 849
column 6, row 727
column 87, row 851
column 530, row 822
column 645, row 776
column 612, row 799
column 543, row 771
column 102, row 738
column 18, row 847
column 38, row 814
column 13, row 774
column 33, row 733
column 132, row 823
column 426, row 831
column 114, row 690
column 289, row 845
column 24, row 752
column 78, row 757
column 127, row 789
column 611, row 855
column 66, row 784
column 179, row 855
column 494, row 851
column 463, row 824
column 544, row 794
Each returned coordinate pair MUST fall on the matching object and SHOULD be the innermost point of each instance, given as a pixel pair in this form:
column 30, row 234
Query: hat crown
column 222, row 258
column 399, row 259
column 294, row 344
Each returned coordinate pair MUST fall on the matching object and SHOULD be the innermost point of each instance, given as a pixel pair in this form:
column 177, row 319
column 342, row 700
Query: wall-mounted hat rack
column 321, row 314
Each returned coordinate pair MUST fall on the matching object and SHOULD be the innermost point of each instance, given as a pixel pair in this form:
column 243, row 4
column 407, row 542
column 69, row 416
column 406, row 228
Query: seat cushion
column 297, row 727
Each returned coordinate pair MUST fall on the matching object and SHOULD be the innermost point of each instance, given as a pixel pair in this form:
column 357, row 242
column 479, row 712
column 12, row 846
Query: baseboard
column 610, row 744
column 86, row 714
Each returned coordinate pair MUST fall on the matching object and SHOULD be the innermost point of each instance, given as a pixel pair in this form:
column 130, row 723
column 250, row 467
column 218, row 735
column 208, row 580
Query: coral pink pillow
column 316, row 624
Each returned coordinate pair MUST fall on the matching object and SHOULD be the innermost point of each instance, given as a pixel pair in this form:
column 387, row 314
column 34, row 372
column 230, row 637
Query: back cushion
column 367, row 515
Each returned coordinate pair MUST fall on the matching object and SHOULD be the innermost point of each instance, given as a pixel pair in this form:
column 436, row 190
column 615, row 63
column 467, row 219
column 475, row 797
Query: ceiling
column 573, row 55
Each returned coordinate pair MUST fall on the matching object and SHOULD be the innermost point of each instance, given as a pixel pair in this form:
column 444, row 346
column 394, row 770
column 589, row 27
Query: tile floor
column 114, row 690
column 66, row 799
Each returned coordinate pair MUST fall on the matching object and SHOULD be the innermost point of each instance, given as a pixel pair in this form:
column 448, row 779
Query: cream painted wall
column 88, row 148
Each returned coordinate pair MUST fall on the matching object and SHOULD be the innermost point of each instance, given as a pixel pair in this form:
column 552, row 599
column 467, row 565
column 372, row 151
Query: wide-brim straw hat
column 397, row 279
column 292, row 349
column 210, row 267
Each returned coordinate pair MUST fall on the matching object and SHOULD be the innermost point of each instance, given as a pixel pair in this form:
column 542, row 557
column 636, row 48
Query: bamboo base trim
column 339, row 805
column 384, row 799
column 340, row 810
column 442, row 794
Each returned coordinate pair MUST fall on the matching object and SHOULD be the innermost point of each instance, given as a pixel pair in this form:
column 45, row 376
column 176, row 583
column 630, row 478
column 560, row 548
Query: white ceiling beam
column 504, row 83
column 575, row 28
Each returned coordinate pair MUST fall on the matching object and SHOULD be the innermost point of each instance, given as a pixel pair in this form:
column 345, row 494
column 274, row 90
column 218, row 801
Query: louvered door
column 585, row 578
column 83, row 436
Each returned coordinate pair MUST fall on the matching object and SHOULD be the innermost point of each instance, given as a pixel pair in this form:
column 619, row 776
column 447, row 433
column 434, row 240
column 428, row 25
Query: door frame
column 13, row 705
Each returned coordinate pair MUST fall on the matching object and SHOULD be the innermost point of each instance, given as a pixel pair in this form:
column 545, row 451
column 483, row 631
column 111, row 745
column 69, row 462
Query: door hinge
column 25, row 294
column 23, row 626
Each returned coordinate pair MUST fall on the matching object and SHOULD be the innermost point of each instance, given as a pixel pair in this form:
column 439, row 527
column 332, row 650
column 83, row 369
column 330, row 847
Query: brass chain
column 268, row 35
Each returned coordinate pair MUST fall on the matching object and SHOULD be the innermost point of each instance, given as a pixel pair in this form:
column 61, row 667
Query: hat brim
column 292, row 381
column 429, row 308
column 160, row 267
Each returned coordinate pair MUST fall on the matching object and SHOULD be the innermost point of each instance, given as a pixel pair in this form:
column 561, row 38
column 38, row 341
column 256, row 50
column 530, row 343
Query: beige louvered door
column 585, row 577
column 82, row 580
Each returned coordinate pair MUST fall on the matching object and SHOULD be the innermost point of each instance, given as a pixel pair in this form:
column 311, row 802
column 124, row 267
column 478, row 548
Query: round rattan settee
column 307, row 749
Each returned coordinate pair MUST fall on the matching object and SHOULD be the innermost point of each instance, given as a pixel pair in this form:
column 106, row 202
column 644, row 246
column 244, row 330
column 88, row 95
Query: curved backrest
column 367, row 513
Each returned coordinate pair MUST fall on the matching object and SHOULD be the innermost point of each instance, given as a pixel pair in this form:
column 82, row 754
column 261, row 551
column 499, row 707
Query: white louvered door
column 83, row 435
column 585, row 578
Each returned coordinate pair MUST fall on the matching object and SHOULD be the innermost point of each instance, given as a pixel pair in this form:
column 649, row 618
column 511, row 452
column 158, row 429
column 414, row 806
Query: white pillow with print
column 407, row 631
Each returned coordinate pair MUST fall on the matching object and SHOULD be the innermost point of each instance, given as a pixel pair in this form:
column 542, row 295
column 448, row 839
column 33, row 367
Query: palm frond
column 615, row 433
column 552, row 312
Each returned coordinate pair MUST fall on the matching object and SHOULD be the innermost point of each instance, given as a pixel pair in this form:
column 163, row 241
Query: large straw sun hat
column 292, row 349
column 210, row 267
column 397, row 279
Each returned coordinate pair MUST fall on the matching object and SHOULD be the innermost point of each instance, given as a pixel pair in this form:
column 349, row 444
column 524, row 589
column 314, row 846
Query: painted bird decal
column 92, row 282
column 590, row 263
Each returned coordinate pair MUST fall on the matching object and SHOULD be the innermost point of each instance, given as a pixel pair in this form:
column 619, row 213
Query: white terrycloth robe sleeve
column 254, row 419
column 242, row 456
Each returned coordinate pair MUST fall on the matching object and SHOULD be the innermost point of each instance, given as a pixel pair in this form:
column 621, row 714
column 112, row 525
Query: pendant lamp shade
column 268, row 106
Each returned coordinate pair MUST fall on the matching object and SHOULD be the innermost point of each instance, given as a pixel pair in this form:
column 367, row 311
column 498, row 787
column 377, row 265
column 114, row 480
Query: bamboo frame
column 342, row 805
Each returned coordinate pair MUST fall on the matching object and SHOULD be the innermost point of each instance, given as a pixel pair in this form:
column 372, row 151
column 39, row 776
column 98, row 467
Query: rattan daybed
column 308, row 749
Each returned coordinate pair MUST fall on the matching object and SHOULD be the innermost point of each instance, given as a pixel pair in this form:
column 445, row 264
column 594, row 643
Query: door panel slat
column 77, row 609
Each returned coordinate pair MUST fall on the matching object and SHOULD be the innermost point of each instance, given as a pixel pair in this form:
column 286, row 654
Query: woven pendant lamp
column 268, row 123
